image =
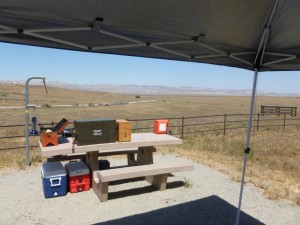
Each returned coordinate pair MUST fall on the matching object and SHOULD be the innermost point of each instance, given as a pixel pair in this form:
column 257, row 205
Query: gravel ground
column 203, row 196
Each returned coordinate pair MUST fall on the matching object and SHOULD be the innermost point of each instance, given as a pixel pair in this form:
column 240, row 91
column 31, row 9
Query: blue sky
column 18, row 62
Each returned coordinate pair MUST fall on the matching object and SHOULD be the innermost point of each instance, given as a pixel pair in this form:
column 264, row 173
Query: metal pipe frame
column 171, row 51
column 56, row 40
column 280, row 60
column 27, row 115
column 222, row 53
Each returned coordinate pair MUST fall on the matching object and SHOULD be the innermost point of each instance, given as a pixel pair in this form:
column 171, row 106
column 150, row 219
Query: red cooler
column 78, row 176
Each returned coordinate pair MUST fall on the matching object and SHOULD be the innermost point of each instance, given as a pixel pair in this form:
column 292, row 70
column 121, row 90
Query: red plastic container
column 161, row 126
column 79, row 178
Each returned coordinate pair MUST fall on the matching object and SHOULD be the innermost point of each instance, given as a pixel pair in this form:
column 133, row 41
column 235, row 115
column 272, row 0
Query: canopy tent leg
column 247, row 149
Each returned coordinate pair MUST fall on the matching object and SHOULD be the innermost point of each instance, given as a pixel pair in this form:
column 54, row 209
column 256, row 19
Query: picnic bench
column 278, row 110
column 155, row 174
column 140, row 161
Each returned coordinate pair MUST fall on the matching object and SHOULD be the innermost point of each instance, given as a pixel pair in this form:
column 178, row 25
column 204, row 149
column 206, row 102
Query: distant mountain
column 152, row 90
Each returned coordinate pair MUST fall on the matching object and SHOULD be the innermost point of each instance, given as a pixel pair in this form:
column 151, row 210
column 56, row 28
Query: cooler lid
column 77, row 169
column 53, row 169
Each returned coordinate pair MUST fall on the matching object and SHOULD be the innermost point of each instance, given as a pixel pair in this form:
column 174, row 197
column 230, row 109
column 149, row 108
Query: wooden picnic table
column 141, row 143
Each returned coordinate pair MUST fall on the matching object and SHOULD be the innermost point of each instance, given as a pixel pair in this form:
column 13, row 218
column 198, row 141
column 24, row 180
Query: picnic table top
column 66, row 147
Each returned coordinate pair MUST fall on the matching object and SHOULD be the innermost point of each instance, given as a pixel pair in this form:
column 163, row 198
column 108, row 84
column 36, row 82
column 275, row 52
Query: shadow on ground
column 207, row 211
column 139, row 190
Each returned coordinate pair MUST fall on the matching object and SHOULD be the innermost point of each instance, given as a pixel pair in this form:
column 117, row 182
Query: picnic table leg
column 145, row 155
column 159, row 181
column 92, row 161
column 131, row 159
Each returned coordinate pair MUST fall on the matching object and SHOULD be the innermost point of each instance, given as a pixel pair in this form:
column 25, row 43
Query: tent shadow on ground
column 211, row 210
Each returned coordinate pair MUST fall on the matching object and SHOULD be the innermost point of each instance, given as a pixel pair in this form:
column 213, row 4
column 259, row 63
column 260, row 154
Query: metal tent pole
column 27, row 114
column 247, row 149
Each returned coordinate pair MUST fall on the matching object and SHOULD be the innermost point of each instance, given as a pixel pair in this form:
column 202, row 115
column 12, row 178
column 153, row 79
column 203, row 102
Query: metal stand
column 27, row 114
column 247, row 149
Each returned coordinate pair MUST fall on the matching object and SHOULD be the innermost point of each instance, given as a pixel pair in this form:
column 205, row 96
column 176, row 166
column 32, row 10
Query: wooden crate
column 123, row 130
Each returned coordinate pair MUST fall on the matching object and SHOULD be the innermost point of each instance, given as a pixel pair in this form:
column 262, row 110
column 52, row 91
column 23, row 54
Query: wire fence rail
column 181, row 126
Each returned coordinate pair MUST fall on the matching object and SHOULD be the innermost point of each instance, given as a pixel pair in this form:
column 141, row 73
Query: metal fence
column 178, row 126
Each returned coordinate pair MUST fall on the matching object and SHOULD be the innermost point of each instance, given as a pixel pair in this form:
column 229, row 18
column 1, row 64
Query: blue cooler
column 54, row 177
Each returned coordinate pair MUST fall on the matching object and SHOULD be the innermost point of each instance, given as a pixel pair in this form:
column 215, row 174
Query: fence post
column 257, row 123
column 224, row 124
column 284, row 115
column 182, row 127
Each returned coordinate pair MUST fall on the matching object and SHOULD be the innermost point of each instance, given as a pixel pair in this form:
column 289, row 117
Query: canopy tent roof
column 246, row 34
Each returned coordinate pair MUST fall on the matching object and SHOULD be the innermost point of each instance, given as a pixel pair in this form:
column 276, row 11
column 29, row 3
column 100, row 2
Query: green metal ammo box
column 97, row 131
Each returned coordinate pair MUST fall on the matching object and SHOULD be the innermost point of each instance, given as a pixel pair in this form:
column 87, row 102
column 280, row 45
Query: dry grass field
column 273, row 163
column 274, row 160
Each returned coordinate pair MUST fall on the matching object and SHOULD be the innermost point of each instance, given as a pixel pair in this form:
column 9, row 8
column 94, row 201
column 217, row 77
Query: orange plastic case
column 78, row 177
column 49, row 139
column 161, row 126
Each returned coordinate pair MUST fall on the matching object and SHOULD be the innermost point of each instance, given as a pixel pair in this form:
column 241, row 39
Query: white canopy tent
column 260, row 35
